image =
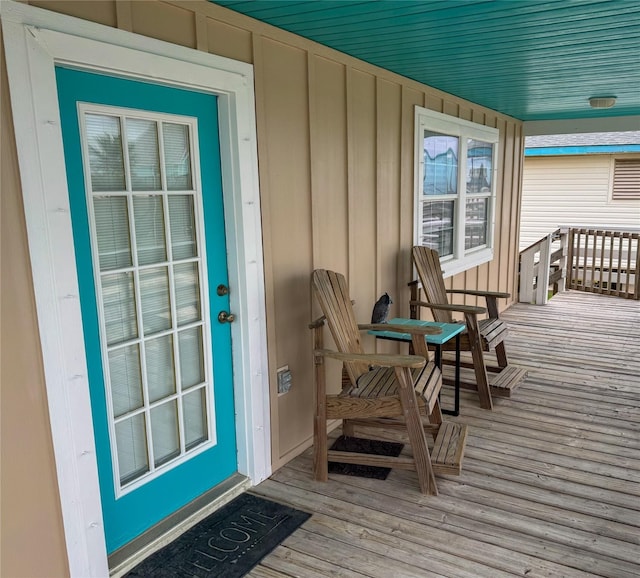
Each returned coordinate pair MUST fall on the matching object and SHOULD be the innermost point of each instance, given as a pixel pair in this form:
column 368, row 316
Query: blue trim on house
column 581, row 150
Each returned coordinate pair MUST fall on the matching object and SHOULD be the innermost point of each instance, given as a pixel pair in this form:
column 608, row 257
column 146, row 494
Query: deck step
column 503, row 383
column 448, row 449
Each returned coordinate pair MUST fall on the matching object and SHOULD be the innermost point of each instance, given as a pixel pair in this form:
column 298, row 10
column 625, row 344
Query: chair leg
column 415, row 431
column 482, row 379
column 501, row 355
column 320, row 450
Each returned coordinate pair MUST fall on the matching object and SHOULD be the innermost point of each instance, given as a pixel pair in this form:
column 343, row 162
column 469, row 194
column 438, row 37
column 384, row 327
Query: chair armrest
column 410, row 329
column 496, row 294
column 380, row 359
column 446, row 307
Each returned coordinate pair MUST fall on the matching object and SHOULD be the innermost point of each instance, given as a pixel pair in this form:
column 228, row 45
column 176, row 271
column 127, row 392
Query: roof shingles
column 583, row 139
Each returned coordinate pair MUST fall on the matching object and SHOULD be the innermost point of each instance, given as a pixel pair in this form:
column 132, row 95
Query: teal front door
column 144, row 180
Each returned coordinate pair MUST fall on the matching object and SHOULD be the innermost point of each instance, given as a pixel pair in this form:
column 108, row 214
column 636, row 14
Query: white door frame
column 35, row 41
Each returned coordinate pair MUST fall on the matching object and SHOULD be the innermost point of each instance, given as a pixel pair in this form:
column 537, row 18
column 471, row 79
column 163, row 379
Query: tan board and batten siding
column 572, row 190
column 335, row 148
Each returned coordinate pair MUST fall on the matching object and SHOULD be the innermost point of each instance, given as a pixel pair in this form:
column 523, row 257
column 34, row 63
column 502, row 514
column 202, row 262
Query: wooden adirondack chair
column 380, row 391
column 480, row 334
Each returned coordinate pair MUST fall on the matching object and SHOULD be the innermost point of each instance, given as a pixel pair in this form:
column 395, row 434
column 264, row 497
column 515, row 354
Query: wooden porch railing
column 593, row 260
column 605, row 262
column 543, row 267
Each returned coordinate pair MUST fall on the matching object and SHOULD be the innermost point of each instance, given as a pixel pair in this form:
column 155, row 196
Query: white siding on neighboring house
column 571, row 190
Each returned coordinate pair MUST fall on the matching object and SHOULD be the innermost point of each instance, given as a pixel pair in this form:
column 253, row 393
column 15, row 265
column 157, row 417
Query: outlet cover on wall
column 284, row 379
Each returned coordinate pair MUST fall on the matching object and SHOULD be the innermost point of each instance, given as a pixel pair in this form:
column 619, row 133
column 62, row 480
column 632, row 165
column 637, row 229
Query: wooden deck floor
column 550, row 483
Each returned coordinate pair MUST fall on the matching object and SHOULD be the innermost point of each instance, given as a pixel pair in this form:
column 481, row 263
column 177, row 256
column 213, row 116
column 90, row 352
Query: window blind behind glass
column 134, row 219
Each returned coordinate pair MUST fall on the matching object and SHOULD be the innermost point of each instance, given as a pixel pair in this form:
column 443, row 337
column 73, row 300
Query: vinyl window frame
column 462, row 259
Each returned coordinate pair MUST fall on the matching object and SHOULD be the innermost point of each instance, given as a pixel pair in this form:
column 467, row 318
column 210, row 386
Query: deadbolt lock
column 222, row 290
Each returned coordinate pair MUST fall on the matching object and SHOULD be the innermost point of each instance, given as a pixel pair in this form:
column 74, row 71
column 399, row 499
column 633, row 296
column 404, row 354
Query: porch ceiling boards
column 549, row 486
column 530, row 59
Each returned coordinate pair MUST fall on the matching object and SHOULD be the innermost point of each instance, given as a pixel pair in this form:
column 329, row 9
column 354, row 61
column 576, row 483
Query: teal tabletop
column 449, row 330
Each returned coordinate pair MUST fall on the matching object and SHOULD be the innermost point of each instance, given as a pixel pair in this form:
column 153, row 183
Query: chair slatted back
column 427, row 262
column 332, row 293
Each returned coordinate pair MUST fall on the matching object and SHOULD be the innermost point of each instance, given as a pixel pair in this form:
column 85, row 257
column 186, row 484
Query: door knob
column 225, row 317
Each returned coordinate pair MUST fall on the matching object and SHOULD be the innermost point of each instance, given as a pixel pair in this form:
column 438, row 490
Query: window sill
column 453, row 267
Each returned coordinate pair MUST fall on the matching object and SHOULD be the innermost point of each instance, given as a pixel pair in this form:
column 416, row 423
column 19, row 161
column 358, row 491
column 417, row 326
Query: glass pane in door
column 126, row 380
column 119, row 308
column 151, row 290
column 177, row 156
column 195, row 417
column 155, row 300
column 183, row 226
column 186, row 279
column 161, row 379
column 144, row 160
column 191, row 357
column 106, row 160
column 112, row 232
column 148, row 212
column 164, row 431
column 131, row 444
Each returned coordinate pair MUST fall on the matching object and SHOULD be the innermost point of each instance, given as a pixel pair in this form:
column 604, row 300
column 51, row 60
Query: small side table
column 449, row 331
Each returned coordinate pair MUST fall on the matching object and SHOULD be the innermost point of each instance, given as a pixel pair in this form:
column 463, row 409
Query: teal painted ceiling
column 533, row 60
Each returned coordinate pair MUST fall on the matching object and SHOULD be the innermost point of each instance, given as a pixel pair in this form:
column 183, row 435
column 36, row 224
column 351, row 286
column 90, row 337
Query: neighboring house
column 587, row 180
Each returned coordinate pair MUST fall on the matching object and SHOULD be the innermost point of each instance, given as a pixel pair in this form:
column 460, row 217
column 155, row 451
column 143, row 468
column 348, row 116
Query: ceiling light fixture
column 602, row 101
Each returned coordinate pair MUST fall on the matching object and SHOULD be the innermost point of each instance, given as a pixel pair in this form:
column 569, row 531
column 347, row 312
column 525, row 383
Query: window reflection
column 440, row 164
column 479, row 173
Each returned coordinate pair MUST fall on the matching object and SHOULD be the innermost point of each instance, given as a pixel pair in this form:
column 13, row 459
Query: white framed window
column 145, row 207
column 455, row 189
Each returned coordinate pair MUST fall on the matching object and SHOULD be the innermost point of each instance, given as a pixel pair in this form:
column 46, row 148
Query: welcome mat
column 364, row 446
column 226, row 544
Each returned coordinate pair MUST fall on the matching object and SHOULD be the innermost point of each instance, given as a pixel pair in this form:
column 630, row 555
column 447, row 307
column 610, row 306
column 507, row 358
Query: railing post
column 570, row 258
column 544, row 264
column 564, row 242
column 636, row 278
column 526, row 275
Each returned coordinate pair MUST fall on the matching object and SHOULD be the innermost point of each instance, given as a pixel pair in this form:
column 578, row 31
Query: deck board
column 550, row 485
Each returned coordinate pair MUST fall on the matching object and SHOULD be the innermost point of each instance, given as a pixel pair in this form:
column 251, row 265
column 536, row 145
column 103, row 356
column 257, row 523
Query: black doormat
column 226, row 544
column 364, row 446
